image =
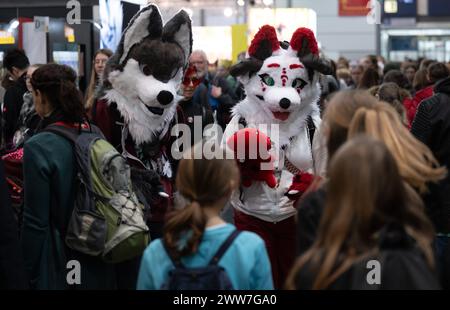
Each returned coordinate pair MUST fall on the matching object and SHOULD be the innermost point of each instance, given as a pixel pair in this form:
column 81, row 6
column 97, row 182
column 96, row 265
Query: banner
column 238, row 40
column 353, row 7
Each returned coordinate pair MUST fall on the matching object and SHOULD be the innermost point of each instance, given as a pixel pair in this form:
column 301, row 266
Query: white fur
column 132, row 91
column 256, row 111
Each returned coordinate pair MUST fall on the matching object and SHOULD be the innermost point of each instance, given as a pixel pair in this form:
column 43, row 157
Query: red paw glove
column 251, row 149
column 300, row 184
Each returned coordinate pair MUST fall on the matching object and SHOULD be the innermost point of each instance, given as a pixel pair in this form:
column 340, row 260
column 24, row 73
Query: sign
column 41, row 23
column 353, row 7
column 6, row 37
column 238, row 40
column 438, row 8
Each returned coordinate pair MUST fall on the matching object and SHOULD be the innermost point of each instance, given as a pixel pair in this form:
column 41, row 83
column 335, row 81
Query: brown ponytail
column 202, row 182
column 190, row 221
column 57, row 84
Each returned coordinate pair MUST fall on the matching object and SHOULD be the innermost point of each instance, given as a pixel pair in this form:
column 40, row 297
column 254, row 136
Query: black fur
column 284, row 44
column 249, row 65
column 173, row 26
column 304, row 50
column 264, row 50
column 154, row 33
column 155, row 26
column 163, row 59
column 158, row 51
column 316, row 63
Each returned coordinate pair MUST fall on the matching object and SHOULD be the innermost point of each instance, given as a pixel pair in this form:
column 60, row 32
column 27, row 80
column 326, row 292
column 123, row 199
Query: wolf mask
column 145, row 73
column 281, row 80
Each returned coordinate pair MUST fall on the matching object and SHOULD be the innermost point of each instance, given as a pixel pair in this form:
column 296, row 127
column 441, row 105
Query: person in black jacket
column 221, row 98
column 432, row 126
column 368, row 217
column 353, row 112
column 195, row 111
column 12, row 270
column 17, row 63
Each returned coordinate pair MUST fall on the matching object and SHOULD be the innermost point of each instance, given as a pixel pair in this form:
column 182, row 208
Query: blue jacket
column 246, row 261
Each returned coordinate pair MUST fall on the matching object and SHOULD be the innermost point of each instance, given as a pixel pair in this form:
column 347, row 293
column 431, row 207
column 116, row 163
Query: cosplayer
column 138, row 102
column 281, row 81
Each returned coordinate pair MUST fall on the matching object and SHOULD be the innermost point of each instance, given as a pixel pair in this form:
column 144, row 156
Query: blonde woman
column 367, row 217
column 357, row 112
column 98, row 66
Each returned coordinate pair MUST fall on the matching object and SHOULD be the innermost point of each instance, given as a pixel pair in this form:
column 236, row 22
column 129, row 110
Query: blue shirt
column 246, row 261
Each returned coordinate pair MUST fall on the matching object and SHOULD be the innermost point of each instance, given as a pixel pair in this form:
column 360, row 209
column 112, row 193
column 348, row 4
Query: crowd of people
column 384, row 195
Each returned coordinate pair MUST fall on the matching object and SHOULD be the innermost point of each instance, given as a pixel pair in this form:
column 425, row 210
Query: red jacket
column 421, row 95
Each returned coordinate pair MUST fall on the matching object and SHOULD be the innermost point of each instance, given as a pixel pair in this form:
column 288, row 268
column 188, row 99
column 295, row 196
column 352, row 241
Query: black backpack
column 210, row 277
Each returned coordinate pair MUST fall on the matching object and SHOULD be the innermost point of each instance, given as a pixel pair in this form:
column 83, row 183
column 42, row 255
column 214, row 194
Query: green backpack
column 107, row 218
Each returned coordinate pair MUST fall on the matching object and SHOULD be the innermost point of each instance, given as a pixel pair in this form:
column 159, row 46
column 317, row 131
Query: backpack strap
column 224, row 247
column 70, row 134
column 176, row 262
column 311, row 129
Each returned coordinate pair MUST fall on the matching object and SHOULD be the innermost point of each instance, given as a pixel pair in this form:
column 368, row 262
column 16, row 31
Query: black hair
column 437, row 71
column 15, row 58
column 397, row 77
column 57, row 84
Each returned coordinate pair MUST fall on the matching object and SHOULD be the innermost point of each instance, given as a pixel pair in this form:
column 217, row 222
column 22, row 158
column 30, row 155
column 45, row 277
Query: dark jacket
column 200, row 109
column 309, row 213
column 11, row 108
column 402, row 267
column 432, row 126
column 108, row 118
column 419, row 96
column 12, row 272
column 224, row 103
column 49, row 170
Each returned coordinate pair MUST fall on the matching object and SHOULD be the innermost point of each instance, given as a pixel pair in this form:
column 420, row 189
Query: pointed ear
column 304, row 45
column 179, row 30
column 264, row 43
column 303, row 42
column 146, row 23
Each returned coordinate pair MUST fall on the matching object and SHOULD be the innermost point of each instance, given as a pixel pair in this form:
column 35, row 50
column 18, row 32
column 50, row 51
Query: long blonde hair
column 364, row 194
column 90, row 92
column 416, row 163
column 354, row 112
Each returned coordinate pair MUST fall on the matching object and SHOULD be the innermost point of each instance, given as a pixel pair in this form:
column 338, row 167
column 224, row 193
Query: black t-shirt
column 13, row 101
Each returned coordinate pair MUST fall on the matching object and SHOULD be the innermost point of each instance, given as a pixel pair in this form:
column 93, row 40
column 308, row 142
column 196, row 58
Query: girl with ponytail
column 195, row 231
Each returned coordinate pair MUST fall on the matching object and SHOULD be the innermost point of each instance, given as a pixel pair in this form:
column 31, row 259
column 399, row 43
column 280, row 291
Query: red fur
column 297, row 38
column 300, row 183
column 295, row 66
column 273, row 65
column 244, row 140
column 266, row 32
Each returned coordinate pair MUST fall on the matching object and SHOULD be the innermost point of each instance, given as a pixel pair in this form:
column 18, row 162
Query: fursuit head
column 281, row 80
column 145, row 73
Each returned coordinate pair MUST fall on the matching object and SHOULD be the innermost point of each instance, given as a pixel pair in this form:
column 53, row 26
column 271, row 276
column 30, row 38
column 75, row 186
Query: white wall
column 351, row 37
